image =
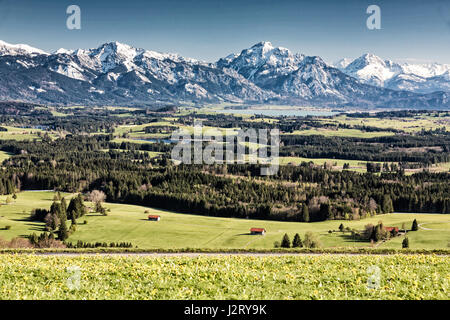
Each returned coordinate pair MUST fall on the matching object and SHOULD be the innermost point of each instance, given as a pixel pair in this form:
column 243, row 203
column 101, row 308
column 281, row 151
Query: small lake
column 166, row 141
column 279, row 112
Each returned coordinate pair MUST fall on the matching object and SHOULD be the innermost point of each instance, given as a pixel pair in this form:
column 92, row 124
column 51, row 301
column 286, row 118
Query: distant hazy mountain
column 116, row 73
column 420, row 78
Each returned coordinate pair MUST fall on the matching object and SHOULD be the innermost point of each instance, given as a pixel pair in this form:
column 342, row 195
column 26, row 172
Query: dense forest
column 77, row 161
column 298, row 193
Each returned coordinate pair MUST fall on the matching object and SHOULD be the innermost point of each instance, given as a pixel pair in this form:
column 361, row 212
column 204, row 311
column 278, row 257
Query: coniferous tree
column 286, row 242
column 305, row 213
column 63, row 233
column 76, row 208
column 387, row 206
column 64, row 206
column 414, row 226
column 297, row 242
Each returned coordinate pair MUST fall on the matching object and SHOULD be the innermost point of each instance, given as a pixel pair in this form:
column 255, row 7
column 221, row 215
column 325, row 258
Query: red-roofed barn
column 390, row 229
column 260, row 231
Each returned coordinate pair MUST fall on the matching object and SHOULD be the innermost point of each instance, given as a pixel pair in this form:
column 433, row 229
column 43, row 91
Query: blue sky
column 210, row 29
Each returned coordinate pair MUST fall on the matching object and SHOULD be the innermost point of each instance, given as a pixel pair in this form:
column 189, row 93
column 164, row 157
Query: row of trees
column 55, row 218
column 310, row 241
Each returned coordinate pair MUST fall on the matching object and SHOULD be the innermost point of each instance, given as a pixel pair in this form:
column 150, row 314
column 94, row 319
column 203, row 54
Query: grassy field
column 336, row 164
column 129, row 223
column 4, row 155
column 15, row 133
column 224, row 277
column 413, row 124
column 341, row 133
column 19, row 134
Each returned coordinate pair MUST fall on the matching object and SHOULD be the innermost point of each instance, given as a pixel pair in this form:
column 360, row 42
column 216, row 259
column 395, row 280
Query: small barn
column 258, row 231
column 154, row 218
column 390, row 229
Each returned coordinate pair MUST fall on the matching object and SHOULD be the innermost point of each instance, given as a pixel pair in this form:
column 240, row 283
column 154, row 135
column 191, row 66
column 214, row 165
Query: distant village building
column 260, row 231
column 154, row 218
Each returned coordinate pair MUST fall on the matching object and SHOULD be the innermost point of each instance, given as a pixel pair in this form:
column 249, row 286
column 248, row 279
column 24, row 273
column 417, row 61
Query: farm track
column 429, row 229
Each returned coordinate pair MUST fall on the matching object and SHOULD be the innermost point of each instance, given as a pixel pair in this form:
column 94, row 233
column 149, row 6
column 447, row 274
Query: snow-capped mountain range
column 19, row 49
column 420, row 78
column 118, row 74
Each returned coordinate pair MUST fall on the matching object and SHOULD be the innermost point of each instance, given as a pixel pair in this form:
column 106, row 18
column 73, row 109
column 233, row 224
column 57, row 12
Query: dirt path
column 423, row 228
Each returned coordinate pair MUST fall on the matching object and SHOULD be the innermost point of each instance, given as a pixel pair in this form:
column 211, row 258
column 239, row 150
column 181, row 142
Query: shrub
column 405, row 243
column 7, row 227
column 19, row 243
column 311, row 240
column 276, row 244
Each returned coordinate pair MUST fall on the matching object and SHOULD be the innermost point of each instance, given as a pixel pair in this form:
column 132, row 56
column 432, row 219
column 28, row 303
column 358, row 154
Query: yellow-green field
column 128, row 223
column 404, row 277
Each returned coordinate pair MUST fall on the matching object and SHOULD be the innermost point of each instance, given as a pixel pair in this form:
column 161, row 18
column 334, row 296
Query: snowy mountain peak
column 261, row 60
column 265, row 49
column 342, row 63
column 116, row 73
column 369, row 59
column 117, row 49
column 64, row 51
column 19, row 49
column 424, row 78
column 266, row 46
column 371, row 69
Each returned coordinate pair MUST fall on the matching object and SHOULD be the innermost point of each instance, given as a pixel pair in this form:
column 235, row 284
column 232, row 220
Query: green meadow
column 129, row 223
column 341, row 133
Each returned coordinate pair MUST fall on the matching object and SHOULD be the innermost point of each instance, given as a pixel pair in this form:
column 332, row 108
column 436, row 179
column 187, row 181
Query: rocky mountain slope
column 419, row 78
column 118, row 74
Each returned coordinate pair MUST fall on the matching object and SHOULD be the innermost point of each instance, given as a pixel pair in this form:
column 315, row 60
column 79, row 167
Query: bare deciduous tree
column 97, row 196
